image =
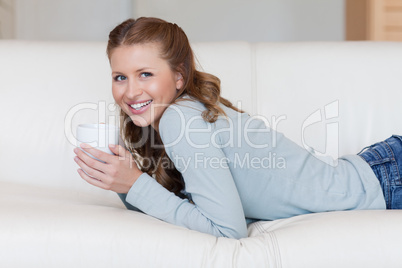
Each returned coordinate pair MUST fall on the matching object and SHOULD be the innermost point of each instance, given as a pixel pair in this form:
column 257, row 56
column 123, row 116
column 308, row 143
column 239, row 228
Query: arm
column 217, row 207
column 128, row 206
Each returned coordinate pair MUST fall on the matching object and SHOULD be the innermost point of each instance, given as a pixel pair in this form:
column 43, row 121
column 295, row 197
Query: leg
column 385, row 159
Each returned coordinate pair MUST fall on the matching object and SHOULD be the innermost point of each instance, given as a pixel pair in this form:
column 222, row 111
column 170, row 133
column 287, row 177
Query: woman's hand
column 118, row 173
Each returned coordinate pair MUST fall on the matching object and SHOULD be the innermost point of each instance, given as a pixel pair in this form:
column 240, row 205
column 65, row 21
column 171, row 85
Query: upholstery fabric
column 331, row 97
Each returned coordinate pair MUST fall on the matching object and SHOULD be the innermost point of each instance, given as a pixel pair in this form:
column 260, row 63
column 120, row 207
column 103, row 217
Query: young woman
column 195, row 160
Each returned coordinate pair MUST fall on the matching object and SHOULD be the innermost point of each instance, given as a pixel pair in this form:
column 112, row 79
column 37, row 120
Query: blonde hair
column 176, row 50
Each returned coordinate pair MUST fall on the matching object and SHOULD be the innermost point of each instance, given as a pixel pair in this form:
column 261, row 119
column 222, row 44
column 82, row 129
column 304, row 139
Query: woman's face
column 143, row 83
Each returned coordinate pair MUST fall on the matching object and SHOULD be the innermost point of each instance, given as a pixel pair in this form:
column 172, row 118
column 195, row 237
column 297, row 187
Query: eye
column 145, row 74
column 120, row 78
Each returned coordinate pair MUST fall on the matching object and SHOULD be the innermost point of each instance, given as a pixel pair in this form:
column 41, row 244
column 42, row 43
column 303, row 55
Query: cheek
column 117, row 94
column 162, row 88
column 154, row 88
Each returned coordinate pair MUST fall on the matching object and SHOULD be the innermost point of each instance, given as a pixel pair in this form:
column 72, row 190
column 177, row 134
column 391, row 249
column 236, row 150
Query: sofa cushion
column 56, row 228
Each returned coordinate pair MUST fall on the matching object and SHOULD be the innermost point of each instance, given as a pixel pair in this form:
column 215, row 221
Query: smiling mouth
column 138, row 106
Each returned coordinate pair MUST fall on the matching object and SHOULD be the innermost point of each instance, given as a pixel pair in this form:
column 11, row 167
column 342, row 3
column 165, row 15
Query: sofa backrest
column 334, row 97
column 42, row 84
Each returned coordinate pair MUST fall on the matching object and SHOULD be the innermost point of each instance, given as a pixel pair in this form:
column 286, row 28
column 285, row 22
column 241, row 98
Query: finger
column 90, row 180
column 105, row 157
column 118, row 150
column 90, row 172
column 90, row 161
column 115, row 149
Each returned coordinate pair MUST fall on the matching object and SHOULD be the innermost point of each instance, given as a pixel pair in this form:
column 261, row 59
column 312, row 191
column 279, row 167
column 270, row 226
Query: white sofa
column 334, row 98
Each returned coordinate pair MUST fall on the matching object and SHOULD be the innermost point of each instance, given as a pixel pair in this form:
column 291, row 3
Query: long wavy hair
column 175, row 48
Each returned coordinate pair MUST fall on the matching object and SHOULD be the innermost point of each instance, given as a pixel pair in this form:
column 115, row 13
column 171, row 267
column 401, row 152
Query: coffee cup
column 98, row 136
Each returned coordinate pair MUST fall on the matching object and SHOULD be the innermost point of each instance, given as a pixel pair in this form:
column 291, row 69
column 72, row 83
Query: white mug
column 98, row 136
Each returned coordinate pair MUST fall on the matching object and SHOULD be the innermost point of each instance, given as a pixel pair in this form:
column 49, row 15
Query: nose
column 133, row 89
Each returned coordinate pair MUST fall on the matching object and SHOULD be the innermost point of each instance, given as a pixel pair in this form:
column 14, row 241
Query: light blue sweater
column 237, row 170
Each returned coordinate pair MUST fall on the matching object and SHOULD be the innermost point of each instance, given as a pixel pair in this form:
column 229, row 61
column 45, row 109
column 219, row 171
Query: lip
column 140, row 111
column 135, row 102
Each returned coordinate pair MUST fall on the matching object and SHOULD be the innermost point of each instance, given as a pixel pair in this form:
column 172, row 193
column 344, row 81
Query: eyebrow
column 137, row 71
column 142, row 69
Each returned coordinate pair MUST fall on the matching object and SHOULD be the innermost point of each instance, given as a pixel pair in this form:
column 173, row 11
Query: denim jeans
column 385, row 159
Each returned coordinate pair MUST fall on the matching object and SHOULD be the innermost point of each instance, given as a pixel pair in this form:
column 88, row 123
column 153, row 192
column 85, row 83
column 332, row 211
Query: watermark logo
column 329, row 115
column 256, row 132
column 101, row 108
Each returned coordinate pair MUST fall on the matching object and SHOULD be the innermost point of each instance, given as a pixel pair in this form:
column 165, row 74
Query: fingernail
column 112, row 145
column 84, row 145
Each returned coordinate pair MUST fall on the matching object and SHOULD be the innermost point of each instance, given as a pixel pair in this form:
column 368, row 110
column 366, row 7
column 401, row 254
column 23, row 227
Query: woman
column 195, row 160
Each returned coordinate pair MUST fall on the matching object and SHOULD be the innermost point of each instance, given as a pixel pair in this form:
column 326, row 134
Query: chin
column 140, row 122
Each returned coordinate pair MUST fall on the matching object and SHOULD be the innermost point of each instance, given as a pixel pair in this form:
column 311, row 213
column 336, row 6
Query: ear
column 179, row 81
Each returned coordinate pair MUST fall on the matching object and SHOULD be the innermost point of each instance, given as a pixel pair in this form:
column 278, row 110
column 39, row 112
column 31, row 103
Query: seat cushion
column 44, row 227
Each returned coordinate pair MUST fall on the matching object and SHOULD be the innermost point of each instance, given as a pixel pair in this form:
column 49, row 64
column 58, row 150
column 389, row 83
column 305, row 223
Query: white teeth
column 138, row 106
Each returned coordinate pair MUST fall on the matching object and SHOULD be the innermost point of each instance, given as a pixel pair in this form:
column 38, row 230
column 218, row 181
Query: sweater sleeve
column 217, row 207
column 127, row 205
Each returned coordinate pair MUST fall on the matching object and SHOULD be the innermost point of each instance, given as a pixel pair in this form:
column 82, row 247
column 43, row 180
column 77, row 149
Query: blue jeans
column 385, row 159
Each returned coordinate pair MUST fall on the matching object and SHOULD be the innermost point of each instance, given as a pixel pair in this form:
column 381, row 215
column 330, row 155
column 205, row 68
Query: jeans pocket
column 381, row 161
column 396, row 197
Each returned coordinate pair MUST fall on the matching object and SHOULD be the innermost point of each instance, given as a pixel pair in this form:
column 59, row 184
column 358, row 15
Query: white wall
column 203, row 20
column 7, row 19
column 252, row 20
column 89, row 20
